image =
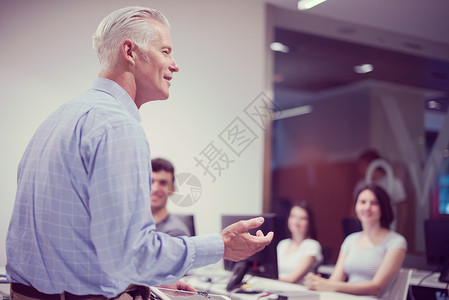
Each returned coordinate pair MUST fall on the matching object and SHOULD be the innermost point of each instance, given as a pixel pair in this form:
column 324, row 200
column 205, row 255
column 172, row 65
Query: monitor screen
column 437, row 245
column 263, row 263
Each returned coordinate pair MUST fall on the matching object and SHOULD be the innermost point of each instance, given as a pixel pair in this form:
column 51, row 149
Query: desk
column 418, row 277
column 215, row 280
column 422, row 278
column 423, row 285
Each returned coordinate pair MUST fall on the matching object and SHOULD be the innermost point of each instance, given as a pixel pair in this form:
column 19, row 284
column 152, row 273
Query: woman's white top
column 361, row 263
column 288, row 262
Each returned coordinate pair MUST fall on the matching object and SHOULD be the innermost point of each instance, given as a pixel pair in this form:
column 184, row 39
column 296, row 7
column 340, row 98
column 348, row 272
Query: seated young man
column 162, row 186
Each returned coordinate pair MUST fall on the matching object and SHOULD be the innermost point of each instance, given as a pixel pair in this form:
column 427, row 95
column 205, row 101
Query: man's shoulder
column 174, row 226
column 98, row 107
column 94, row 100
column 175, row 220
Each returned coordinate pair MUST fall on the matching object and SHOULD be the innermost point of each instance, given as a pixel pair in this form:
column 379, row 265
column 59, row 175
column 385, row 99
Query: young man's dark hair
column 159, row 164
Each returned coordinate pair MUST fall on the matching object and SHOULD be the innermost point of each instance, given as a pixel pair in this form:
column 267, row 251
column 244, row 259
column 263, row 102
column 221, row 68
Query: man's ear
column 171, row 189
column 128, row 51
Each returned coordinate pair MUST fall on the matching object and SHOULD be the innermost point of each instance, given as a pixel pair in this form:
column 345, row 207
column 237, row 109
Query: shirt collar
column 116, row 91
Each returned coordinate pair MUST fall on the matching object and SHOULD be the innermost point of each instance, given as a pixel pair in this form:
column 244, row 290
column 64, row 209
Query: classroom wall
column 47, row 59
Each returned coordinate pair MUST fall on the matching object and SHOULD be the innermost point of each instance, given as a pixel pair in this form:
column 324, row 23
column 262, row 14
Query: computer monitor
column 263, row 263
column 437, row 245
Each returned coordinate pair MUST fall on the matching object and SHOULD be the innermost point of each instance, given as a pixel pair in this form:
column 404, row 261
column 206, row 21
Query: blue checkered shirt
column 82, row 219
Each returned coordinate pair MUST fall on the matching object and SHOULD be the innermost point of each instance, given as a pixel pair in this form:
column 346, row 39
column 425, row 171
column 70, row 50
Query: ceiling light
column 292, row 112
column 365, row 68
column 306, row 4
column 434, row 104
column 279, row 47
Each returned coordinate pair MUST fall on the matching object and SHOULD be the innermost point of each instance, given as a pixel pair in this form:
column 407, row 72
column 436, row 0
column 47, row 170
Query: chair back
column 400, row 288
column 350, row 225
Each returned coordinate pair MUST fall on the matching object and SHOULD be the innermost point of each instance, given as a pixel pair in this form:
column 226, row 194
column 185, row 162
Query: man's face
column 155, row 67
column 161, row 187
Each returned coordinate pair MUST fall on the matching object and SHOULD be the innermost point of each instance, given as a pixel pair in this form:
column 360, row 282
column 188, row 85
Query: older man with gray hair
column 82, row 226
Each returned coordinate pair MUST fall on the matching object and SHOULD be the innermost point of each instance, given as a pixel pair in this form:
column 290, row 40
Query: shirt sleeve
column 122, row 226
column 396, row 241
column 349, row 240
column 313, row 248
column 280, row 248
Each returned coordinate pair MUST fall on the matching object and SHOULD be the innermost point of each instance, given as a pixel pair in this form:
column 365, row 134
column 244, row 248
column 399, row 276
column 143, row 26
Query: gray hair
column 126, row 23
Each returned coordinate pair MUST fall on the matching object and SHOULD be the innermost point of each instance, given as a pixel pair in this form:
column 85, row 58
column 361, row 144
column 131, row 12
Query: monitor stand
column 238, row 272
column 444, row 276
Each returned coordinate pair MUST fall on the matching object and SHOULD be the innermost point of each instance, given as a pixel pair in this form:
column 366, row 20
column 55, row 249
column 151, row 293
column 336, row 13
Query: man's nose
column 174, row 66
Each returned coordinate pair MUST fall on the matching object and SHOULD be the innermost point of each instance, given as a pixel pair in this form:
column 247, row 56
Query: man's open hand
column 239, row 243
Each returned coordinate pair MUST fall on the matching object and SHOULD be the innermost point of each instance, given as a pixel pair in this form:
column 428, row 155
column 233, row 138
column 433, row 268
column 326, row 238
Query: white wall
column 47, row 59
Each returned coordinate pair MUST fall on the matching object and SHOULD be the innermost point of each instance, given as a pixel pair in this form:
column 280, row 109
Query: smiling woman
column 369, row 260
column 301, row 253
column 373, row 207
